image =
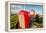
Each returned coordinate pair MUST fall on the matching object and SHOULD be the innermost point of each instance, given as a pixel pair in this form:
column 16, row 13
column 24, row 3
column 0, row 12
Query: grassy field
column 14, row 20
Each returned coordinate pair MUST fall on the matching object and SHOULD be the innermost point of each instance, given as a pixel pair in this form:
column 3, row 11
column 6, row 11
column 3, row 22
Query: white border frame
column 20, row 2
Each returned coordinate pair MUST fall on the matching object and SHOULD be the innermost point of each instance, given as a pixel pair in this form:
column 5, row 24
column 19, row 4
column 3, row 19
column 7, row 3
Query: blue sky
column 17, row 7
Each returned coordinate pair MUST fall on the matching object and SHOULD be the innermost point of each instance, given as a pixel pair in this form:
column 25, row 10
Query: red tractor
column 24, row 19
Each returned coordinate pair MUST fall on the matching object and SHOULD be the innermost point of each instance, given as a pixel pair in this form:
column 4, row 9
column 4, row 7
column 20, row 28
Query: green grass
column 37, row 25
column 13, row 21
